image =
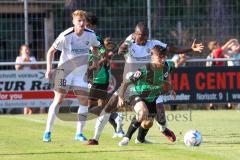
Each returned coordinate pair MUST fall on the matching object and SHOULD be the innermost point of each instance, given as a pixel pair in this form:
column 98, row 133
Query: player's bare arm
column 122, row 91
column 123, row 49
column 196, row 47
column 50, row 56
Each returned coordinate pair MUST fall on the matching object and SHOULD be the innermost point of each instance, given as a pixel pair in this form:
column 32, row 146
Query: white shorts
column 74, row 80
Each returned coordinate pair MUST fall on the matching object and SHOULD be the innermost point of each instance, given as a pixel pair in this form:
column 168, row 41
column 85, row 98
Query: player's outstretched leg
column 52, row 111
column 162, row 123
column 99, row 126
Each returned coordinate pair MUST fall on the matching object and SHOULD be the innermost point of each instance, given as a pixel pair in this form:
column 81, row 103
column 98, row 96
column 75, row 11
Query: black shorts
column 98, row 91
column 150, row 105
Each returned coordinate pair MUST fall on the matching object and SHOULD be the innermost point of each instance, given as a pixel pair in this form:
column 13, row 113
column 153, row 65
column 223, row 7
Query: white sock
column 81, row 123
column 52, row 111
column 119, row 121
column 100, row 124
column 162, row 127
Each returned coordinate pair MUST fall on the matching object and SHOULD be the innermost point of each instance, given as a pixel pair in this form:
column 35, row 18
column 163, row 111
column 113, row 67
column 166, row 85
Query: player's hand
column 123, row 49
column 48, row 74
column 26, row 59
column 197, row 47
column 93, row 67
column 120, row 102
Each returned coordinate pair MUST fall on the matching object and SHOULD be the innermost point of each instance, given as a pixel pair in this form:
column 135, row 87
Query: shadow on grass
column 80, row 152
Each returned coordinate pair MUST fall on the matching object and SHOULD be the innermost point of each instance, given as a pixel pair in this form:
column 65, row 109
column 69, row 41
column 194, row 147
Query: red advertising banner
column 206, row 84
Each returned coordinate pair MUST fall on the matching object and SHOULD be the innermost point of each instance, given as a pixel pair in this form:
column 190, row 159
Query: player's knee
column 141, row 115
column 146, row 124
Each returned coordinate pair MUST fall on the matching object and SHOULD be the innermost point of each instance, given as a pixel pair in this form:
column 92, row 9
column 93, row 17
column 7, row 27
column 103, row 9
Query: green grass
column 21, row 138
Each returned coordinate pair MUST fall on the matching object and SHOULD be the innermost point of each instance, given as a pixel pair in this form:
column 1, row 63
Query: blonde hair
column 21, row 47
column 79, row 13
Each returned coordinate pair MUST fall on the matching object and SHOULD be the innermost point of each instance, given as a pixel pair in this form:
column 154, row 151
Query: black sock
column 132, row 128
column 113, row 123
column 142, row 132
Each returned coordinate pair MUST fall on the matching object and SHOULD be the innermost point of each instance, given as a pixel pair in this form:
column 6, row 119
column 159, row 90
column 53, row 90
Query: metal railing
column 122, row 61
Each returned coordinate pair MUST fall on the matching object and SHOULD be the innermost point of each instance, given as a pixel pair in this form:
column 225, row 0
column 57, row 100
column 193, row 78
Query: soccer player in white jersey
column 136, row 50
column 74, row 44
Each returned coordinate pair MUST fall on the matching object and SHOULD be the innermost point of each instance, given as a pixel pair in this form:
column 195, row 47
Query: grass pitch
column 21, row 138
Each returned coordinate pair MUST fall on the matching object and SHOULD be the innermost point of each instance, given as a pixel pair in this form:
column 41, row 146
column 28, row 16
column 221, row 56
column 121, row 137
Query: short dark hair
column 142, row 25
column 91, row 18
column 160, row 50
column 109, row 44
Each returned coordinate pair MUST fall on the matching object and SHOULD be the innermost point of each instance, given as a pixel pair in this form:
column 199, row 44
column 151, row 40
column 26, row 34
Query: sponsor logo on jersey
column 145, row 58
column 137, row 74
column 80, row 50
column 166, row 75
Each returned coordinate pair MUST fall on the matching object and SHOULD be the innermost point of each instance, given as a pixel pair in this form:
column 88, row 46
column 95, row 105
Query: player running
column 74, row 44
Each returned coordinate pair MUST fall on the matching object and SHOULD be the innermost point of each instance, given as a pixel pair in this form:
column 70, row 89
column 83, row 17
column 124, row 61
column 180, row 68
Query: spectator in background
column 234, row 52
column 25, row 57
column 218, row 51
column 209, row 57
column 179, row 60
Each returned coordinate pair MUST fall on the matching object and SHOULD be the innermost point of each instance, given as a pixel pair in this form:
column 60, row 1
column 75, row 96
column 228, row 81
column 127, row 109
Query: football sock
column 142, row 132
column 132, row 128
column 119, row 121
column 100, row 124
column 82, row 117
column 162, row 127
column 52, row 111
column 113, row 123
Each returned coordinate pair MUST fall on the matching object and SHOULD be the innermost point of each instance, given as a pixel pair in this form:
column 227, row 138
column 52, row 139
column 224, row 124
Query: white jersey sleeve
column 94, row 41
column 61, row 39
column 156, row 42
column 59, row 42
column 129, row 38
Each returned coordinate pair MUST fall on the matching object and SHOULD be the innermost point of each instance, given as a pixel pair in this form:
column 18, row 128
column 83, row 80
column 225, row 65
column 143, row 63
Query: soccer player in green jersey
column 146, row 85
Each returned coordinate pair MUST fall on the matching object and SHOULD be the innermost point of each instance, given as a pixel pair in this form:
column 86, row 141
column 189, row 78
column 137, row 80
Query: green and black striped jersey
column 147, row 81
column 102, row 75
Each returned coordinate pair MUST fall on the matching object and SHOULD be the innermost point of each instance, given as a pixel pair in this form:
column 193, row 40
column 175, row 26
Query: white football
column 192, row 138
